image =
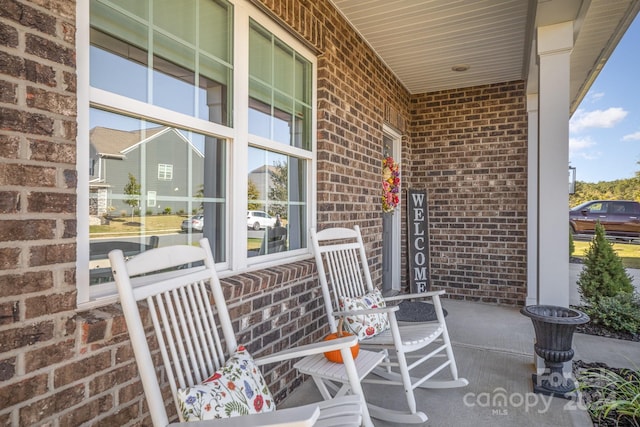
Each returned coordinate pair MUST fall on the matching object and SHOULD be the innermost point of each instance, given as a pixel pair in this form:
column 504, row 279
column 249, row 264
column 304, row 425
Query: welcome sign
column 418, row 240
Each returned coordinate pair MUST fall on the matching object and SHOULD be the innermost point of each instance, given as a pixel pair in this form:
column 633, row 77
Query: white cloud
column 583, row 148
column 632, row 137
column 596, row 119
column 579, row 145
column 596, row 96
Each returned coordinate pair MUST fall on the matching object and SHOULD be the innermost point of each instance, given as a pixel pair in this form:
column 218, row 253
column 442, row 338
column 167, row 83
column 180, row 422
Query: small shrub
column 616, row 395
column 620, row 313
column 603, row 274
column 167, row 210
column 572, row 246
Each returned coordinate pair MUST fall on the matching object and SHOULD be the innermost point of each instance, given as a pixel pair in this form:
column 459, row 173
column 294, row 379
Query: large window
column 279, row 128
column 170, row 159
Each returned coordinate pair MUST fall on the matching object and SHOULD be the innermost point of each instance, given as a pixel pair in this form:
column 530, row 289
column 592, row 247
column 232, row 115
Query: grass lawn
column 133, row 225
column 153, row 224
column 630, row 253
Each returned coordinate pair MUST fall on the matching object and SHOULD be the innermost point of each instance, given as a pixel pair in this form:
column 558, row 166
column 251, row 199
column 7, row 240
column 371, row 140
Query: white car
column 259, row 219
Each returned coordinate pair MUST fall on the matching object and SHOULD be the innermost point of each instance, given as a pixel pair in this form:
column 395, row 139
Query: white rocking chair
column 342, row 264
column 178, row 290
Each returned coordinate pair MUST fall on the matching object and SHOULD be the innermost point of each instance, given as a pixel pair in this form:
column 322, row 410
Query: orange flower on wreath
column 390, row 184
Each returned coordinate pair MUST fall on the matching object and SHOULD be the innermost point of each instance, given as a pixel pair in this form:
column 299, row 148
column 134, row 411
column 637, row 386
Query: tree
column 132, row 189
column 620, row 189
column 279, row 189
column 603, row 274
column 252, row 194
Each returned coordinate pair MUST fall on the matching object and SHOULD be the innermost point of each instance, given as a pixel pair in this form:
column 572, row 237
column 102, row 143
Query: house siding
column 61, row 367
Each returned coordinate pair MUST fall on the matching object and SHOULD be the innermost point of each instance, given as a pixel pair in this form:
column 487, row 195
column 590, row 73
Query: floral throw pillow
column 237, row 388
column 366, row 325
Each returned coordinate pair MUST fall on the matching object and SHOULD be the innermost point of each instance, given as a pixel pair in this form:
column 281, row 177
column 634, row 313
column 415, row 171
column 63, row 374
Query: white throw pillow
column 366, row 325
column 237, row 388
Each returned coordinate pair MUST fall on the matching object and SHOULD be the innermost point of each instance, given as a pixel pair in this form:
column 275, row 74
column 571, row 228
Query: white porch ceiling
column 421, row 40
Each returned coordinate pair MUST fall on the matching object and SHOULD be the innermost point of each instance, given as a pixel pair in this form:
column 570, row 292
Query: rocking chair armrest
column 301, row 416
column 380, row 310
column 307, row 350
column 416, row 296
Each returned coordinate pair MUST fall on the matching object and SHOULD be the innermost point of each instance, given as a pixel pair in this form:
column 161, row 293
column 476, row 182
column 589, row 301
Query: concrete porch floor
column 493, row 346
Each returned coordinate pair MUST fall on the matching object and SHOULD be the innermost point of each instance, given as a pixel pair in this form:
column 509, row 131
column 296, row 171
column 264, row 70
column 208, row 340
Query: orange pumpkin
column 335, row 356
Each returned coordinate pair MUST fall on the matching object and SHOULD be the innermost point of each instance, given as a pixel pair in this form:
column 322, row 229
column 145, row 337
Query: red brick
column 26, row 389
column 112, row 378
column 81, row 368
column 8, row 35
column 27, row 175
column 52, row 202
column 48, row 304
column 8, row 92
column 51, row 101
column 19, row 284
column 52, row 254
column 7, row 369
column 52, row 151
column 9, row 146
column 9, row 202
column 39, row 73
column 28, row 16
column 50, row 355
column 124, row 416
column 25, row 122
column 11, row 339
column 90, row 411
column 9, row 312
column 52, row 51
column 51, row 405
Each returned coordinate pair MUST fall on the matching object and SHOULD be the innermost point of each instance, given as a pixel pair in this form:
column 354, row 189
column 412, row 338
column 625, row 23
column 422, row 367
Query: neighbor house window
column 163, row 82
column 165, row 172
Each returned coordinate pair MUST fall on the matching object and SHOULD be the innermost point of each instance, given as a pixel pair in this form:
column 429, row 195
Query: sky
column 604, row 132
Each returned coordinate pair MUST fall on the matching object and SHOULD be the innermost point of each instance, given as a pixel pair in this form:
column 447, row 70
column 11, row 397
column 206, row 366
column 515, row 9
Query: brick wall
column 61, row 367
column 469, row 150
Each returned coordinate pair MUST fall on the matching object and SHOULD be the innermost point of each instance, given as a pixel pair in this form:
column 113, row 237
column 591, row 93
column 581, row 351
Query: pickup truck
column 620, row 218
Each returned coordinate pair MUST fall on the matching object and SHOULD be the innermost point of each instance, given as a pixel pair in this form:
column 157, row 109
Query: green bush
column 619, row 313
column 603, row 274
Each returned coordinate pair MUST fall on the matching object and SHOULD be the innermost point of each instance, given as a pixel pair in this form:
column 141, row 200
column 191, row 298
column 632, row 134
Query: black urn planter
column 554, row 327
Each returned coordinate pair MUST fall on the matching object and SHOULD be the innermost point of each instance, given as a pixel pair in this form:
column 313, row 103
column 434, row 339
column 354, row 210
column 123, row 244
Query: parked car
column 260, row 219
column 620, row 218
column 195, row 223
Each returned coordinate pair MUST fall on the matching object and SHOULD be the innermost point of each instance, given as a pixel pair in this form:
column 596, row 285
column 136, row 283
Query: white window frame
column 151, row 199
column 237, row 153
column 165, row 172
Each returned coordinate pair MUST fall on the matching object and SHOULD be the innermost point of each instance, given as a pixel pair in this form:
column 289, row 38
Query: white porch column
column 532, row 202
column 554, row 49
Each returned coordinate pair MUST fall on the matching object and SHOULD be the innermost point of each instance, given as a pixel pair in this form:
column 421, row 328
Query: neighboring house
column 262, row 178
column 166, row 185
column 489, row 145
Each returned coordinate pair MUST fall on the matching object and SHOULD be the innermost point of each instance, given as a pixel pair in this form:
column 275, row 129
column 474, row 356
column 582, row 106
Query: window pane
column 152, row 185
column 191, row 71
column 277, row 203
column 118, row 67
column 279, row 90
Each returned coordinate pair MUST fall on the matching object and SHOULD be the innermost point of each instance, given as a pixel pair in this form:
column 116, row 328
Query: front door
column 391, row 222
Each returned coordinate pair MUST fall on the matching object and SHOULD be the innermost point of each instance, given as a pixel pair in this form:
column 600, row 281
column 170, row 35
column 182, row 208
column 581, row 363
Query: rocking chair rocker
column 197, row 345
column 348, row 292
